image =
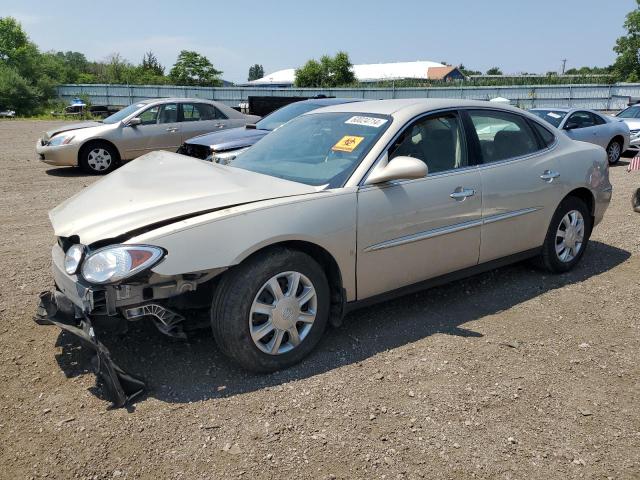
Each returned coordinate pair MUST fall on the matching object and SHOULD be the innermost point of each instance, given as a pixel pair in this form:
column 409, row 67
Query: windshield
column 284, row 114
column 554, row 117
column 316, row 149
column 124, row 113
column 631, row 112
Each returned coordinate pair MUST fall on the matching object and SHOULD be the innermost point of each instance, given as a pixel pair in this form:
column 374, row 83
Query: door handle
column 219, row 125
column 172, row 129
column 461, row 193
column 549, row 175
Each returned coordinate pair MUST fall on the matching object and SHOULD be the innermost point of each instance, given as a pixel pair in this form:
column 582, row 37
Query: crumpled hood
column 161, row 186
column 71, row 126
column 231, row 139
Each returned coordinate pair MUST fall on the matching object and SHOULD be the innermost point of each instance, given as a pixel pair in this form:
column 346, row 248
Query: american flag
column 634, row 164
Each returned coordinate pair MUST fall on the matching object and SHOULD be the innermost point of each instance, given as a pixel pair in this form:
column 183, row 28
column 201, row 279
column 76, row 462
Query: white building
column 373, row 72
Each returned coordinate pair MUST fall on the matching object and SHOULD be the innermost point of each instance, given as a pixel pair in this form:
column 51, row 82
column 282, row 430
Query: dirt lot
column 512, row 374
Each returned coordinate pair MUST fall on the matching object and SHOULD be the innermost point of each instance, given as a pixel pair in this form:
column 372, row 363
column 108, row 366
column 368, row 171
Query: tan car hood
column 159, row 187
column 70, row 126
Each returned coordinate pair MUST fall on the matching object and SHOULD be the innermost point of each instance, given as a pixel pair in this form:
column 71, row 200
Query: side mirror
column 134, row 122
column 399, row 168
column 571, row 126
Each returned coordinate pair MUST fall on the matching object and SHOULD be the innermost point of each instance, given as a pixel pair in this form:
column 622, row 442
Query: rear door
column 520, row 184
column 199, row 118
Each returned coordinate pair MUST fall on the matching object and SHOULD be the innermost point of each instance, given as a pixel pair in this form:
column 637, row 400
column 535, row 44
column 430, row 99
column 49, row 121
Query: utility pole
column 564, row 64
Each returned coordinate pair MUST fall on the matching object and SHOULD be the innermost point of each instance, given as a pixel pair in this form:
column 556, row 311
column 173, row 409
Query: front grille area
column 193, row 150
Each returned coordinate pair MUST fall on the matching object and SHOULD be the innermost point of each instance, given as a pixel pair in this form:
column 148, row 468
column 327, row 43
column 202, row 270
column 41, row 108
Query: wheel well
column 330, row 267
column 586, row 196
column 620, row 140
column 98, row 141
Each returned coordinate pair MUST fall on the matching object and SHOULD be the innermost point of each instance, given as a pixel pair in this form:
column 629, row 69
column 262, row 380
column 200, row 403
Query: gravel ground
column 511, row 374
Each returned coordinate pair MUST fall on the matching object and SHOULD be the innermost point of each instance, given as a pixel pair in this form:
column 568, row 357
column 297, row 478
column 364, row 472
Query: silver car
column 631, row 116
column 610, row 133
column 342, row 206
column 158, row 124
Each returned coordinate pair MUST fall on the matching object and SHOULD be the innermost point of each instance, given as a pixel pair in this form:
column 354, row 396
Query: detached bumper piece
column 56, row 309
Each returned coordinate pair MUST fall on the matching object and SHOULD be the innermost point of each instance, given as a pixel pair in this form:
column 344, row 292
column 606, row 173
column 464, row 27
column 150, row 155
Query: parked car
column 340, row 207
column 631, row 116
column 7, row 113
column 589, row 126
column 223, row 147
column 158, row 124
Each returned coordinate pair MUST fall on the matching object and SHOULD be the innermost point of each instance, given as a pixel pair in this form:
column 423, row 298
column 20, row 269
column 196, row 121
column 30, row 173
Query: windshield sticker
column 553, row 115
column 348, row 143
column 367, row 121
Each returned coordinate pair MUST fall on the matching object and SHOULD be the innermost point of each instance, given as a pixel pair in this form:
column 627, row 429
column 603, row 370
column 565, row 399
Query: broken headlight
column 117, row 262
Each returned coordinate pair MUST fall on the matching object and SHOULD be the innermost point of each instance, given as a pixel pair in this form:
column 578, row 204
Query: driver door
column 159, row 130
column 413, row 230
column 581, row 126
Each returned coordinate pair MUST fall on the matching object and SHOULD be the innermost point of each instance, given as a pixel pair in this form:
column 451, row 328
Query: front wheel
column 567, row 236
column 614, row 151
column 270, row 312
column 98, row 158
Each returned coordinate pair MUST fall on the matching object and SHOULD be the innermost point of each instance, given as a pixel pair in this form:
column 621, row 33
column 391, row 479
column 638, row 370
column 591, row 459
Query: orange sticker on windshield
column 348, row 143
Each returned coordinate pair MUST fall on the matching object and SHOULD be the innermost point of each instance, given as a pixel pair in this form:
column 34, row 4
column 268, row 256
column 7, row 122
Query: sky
column 516, row 35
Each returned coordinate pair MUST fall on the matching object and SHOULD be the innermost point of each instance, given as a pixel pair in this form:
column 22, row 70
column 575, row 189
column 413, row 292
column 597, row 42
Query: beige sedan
column 340, row 207
column 158, row 124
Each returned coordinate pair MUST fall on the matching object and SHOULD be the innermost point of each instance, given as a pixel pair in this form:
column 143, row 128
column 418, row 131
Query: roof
column 409, row 105
column 364, row 73
column 330, row 101
column 439, row 73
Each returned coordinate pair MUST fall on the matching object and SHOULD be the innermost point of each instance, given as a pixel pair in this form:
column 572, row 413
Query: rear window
column 547, row 137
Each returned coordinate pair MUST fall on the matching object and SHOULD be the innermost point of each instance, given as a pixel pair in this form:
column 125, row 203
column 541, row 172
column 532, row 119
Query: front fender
column 227, row 237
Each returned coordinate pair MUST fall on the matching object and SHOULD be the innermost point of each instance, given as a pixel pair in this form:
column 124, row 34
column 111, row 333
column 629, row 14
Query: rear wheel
column 567, row 236
column 614, row 151
column 270, row 312
column 98, row 158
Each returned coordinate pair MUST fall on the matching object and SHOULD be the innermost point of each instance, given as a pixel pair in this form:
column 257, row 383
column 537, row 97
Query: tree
column 627, row 65
column 16, row 92
column 191, row 68
column 494, row 71
column 466, row 72
column 255, row 72
column 150, row 63
column 328, row 72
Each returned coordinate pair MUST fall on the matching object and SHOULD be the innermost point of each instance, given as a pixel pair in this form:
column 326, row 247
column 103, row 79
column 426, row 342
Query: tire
column 614, row 152
column 555, row 259
column 635, row 200
column 239, row 330
column 98, row 158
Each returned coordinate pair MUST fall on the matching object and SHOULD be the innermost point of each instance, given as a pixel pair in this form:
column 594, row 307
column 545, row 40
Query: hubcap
column 570, row 236
column 614, row 151
column 99, row 159
column 283, row 312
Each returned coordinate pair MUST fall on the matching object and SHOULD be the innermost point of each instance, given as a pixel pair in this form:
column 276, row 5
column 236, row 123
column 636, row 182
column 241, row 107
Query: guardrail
column 598, row 97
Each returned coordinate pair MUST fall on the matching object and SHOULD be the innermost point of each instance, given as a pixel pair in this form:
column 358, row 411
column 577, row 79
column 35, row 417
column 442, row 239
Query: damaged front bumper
column 56, row 309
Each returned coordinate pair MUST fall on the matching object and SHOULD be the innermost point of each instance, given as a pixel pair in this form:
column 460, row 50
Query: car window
column 502, row 135
column 547, row 137
column 168, row 113
column 598, row 120
column 149, row 116
column 190, row 113
column 321, row 149
column 437, row 141
column 206, row 111
column 580, row 120
column 554, row 117
column 631, row 112
column 219, row 114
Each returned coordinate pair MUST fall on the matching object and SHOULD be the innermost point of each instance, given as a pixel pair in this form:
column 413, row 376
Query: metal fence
column 598, row 97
